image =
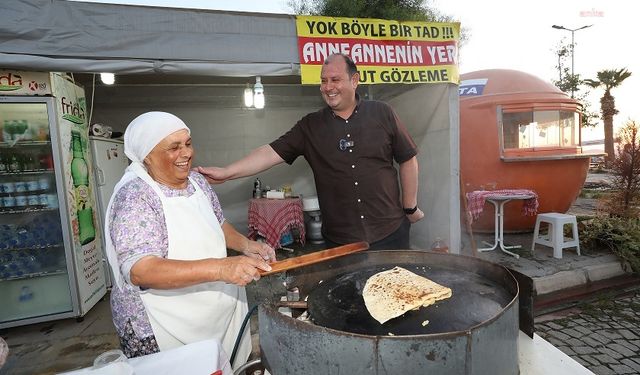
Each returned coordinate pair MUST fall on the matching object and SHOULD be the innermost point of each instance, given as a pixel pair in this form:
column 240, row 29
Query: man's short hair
column 351, row 66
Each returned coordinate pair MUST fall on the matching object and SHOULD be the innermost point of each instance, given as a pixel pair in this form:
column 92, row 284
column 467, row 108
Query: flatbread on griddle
column 391, row 293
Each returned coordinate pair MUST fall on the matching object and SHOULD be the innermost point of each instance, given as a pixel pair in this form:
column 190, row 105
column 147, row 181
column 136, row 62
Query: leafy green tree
column 572, row 83
column 400, row 10
column 397, row 10
column 625, row 167
column 619, row 234
column 608, row 79
column 617, row 225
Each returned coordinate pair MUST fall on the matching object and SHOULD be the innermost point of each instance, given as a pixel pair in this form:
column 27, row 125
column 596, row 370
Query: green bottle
column 14, row 163
column 4, row 168
column 80, row 176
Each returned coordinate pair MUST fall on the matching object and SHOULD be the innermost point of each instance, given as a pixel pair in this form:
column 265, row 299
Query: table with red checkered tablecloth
column 475, row 206
column 476, row 199
column 271, row 218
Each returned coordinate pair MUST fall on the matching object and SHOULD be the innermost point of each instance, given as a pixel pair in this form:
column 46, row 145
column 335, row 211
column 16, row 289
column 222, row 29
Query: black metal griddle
column 337, row 303
column 474, row 332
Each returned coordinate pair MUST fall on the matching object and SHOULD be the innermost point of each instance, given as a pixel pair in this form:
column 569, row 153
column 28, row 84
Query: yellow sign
column 384, row 51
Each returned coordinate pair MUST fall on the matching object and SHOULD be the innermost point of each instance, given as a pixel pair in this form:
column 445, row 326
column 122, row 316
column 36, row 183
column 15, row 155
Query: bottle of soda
column 3, row 163
column 15, row 165
column 25, row 294
column 80, row 176
column 29, row 163
column 7, row 131
column 18, row 131
column 45, row 161
column 257, row 188
column 25, row 130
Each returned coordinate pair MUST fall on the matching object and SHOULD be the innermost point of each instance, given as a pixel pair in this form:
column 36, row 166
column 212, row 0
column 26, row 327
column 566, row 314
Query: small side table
column 498, row 240
column 499, row 199
column 271, row 218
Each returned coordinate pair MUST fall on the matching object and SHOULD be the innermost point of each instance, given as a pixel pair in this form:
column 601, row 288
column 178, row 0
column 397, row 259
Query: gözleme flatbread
column 391, row 293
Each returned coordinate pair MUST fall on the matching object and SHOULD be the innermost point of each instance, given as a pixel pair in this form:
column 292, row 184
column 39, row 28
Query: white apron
column 211, row 310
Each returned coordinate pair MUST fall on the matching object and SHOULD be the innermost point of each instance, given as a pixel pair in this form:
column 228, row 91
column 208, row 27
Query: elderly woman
column 167, row 243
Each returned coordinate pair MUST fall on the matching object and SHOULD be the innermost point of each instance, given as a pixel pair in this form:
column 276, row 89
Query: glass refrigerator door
column 34, row 269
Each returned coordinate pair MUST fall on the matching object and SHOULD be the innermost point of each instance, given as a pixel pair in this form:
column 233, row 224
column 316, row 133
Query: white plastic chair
column 555, row 236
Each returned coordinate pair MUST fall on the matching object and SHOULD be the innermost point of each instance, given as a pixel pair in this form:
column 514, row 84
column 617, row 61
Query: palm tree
column 608, row 79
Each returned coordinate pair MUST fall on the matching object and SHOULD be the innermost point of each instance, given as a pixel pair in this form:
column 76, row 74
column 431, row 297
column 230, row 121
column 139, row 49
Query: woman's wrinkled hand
column 241, row 270
column 260, row 250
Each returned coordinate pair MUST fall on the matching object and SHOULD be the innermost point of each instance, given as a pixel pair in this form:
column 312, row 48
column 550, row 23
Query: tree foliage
column 573, row 84
column 625, row 198
column 608, row 79
column 399, row 10
column 619, row 235
column 617, row 226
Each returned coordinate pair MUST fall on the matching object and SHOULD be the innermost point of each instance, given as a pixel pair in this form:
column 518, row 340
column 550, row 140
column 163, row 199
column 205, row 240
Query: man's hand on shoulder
column 214, row 175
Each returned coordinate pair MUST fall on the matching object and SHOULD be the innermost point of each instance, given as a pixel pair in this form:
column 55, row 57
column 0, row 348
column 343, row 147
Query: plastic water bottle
column 257, row 188
column 25, row 294
column 439, row 246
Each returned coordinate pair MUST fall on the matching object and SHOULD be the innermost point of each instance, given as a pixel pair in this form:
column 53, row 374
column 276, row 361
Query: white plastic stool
column 555, row 236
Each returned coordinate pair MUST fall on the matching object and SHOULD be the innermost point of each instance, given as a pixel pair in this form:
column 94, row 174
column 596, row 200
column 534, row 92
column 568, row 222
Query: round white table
column 499, row 201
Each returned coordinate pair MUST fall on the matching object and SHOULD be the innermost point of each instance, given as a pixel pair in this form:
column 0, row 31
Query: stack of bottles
column 43, row 231
column 30, row 249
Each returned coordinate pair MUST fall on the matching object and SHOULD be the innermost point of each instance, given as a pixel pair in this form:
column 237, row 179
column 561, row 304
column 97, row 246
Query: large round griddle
column 474, row 332
column 338, row 303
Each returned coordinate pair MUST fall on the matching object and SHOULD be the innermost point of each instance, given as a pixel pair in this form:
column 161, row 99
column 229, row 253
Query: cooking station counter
column 475, row 332
column 538, row 357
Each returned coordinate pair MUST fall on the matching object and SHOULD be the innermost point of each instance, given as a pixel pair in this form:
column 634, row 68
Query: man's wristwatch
column 410, row 211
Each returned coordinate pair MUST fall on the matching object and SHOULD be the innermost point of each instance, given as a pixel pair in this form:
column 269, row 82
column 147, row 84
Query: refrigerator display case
column 51, row 258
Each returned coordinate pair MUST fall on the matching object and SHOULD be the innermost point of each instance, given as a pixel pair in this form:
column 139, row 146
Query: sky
column 518, row 35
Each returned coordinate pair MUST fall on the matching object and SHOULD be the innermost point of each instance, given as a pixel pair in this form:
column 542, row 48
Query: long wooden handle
column 467, row 216
column 319, row 256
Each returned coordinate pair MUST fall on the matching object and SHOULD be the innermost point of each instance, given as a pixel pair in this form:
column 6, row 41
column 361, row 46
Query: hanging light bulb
column 258, row 94
column 108, row 78
column 248, row 96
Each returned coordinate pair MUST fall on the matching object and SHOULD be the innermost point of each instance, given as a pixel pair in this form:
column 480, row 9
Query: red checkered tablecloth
column 476, row 200
column 271, row 218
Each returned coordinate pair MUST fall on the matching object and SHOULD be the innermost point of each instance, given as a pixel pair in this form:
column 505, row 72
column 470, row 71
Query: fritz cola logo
column 73, row 112
column 10, row 82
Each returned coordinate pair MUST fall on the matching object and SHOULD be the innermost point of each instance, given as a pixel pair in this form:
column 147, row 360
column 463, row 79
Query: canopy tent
column 58, row 35
column 192, row 63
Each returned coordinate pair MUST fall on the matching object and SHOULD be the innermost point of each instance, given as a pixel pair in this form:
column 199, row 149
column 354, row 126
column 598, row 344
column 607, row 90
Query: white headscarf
column 140, row 137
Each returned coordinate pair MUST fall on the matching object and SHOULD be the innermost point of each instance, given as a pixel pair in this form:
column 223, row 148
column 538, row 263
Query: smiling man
column 351, row 146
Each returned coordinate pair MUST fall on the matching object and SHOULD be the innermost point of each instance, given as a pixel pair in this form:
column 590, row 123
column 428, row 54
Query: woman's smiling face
column 170, row 161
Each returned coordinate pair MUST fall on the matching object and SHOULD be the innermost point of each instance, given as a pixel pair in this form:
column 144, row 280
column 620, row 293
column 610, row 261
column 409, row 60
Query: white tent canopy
column 58, row 35
column 191, row 63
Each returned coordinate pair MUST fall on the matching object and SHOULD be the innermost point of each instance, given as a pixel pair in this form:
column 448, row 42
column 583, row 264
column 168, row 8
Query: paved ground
column 63, row 345
column 602, row 335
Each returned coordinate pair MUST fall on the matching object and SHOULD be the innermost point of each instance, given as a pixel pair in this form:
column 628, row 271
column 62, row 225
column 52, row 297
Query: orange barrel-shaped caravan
column 519, row 132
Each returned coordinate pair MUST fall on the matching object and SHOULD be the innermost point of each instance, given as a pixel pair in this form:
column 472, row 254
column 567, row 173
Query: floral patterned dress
column 138, row 229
